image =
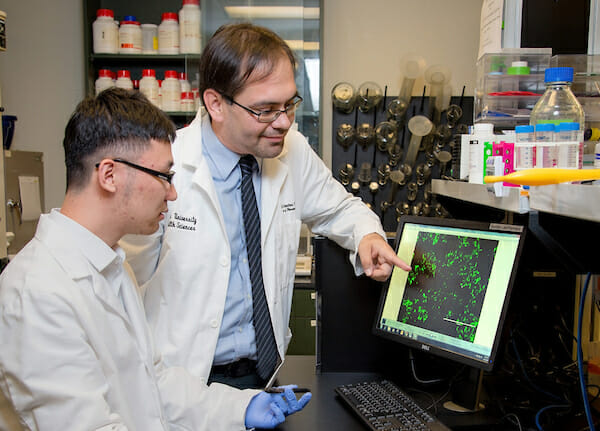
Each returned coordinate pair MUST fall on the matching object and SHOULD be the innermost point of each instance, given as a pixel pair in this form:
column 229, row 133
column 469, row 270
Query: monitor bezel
column 431, row 348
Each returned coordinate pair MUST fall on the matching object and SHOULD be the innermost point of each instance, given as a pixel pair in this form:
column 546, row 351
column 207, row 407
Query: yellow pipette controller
column 545, row 176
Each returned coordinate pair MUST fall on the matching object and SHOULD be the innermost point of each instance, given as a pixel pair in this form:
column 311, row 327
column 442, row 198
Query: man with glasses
column 219, row 274
column 76, row 352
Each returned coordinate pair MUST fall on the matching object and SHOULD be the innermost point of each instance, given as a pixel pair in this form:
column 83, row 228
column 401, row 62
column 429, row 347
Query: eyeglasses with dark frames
column 166, row 176
column 270, row 115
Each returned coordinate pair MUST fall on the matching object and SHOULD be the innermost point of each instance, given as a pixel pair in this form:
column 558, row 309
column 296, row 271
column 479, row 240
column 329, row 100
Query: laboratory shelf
column 481, row 194
column 580, row 201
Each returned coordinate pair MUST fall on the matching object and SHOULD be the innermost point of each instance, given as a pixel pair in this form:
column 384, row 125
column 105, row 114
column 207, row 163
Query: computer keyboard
column 384, row 407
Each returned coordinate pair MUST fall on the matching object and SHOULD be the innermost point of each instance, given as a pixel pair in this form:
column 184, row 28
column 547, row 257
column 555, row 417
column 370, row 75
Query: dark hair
column 113, row 123
column 235, row 51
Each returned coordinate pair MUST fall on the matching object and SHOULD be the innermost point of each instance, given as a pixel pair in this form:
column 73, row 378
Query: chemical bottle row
column 176, row 33
column 172, row 94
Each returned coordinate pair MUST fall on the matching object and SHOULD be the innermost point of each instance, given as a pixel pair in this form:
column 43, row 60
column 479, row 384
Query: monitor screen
column 454, row 300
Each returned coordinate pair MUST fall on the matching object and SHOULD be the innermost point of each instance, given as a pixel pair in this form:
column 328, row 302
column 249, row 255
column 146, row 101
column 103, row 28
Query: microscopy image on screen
column 447, row 285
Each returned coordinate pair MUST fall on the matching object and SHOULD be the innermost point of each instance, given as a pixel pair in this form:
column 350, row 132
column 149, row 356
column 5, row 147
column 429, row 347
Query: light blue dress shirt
column 236, row 336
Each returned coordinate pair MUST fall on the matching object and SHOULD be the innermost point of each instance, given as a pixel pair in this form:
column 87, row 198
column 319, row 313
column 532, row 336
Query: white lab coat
column 184, row 268
column 75, row 356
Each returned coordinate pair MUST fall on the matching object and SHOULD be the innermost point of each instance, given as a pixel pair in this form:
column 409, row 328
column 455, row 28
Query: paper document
column 490, row 27
column 31, row 202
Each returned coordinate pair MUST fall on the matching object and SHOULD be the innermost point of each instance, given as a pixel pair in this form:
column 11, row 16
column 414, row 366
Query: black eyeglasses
column 167, row 176
column 270, row 115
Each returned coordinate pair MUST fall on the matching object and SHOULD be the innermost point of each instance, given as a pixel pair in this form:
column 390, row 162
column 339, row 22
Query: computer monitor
column 454, row 300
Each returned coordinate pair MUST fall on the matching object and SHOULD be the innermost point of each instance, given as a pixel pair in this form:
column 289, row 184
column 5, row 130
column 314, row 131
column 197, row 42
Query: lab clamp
column 387, row 149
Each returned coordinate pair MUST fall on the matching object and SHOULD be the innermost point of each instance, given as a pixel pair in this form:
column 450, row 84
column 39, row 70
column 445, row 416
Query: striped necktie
column 266, row 348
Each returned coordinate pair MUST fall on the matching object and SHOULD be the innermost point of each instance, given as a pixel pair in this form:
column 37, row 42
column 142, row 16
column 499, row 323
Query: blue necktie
column 266, row 348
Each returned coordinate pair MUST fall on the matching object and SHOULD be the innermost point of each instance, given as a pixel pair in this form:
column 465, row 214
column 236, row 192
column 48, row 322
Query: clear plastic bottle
column 124, row 80
column 130, row 36
column 149, row 86
column 524, row 157
column 171, row 92
column 482, row 133
column 189, row 27
column 105, row 32
column 558, row 104
column 168, row 34
column 104, row 80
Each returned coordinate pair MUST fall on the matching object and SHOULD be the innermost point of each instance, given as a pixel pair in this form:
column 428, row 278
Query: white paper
column 490, row 28
column 31, row 203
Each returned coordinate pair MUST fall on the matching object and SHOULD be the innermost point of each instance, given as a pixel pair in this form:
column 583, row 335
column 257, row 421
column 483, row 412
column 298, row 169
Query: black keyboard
column 384, row 407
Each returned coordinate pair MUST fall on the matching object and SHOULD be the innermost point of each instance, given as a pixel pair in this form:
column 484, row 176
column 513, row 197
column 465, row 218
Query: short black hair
column 235, row 51
column 111, row 124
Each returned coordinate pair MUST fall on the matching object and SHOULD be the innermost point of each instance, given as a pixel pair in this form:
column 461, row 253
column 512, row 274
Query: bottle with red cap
column 168, row 34
column 171, row 92
column 149, row 86
column 187, row 101
column 105, row 32
column 124, row 80
column 104, row 80
column 189, row 27
column 185, row 84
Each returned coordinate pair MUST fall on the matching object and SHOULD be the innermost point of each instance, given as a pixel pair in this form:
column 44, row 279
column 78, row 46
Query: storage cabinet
column 302, row 322
column 149, row 11
column 506, row 89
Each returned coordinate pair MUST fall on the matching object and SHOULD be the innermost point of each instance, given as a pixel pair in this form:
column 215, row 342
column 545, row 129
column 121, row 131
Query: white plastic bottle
column 124, row 80
column 187, row 101
column 105, row 32
column 482, row 133
column 130, row 36
column 149, row 86
column 104, row 80
column 168, row 34
column 524, row 157
column 185, row 84
column 189, row 27
column 569, row 139
column 171, row 92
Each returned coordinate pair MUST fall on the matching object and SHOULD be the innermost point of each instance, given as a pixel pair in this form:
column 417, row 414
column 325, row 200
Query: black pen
column 282, row 390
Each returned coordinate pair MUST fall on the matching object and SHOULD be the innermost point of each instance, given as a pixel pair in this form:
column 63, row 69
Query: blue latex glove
column 269, row 410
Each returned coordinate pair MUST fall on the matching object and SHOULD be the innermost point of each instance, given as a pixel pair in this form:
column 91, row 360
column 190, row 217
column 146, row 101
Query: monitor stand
column 466, row 394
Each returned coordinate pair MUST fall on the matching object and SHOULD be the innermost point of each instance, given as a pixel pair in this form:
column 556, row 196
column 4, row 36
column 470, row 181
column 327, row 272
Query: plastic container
column 130, row 36
column 546, row 155
column 171, row 92
column 187, row 101
column 482, row 133
column 105, row 32
column 168, row 34
column 104, row 80
column 189, row 27
column 124, row 80
column 149, row 86
column 559, row 105
column 8, row 130
column 524, row 157
column 149, row 39
column 185, row 84
column 569, row 138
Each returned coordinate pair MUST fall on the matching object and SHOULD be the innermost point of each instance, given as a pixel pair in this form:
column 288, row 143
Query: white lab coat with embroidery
column 184, row 268
column 75, row 356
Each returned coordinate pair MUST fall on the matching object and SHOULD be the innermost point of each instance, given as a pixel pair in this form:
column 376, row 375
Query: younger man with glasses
column 219, row 274
column 76, row 352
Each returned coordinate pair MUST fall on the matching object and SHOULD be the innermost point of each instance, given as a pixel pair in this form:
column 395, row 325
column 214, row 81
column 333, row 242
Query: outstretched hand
column 378, row 258
column 269, row 410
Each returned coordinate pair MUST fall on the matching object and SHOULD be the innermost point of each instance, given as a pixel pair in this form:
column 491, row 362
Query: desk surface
column 326, row 412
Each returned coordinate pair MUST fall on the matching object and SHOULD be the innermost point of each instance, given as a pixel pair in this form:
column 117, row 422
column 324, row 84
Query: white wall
column 42, row 72
column 365, row 41
column 42, row 79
